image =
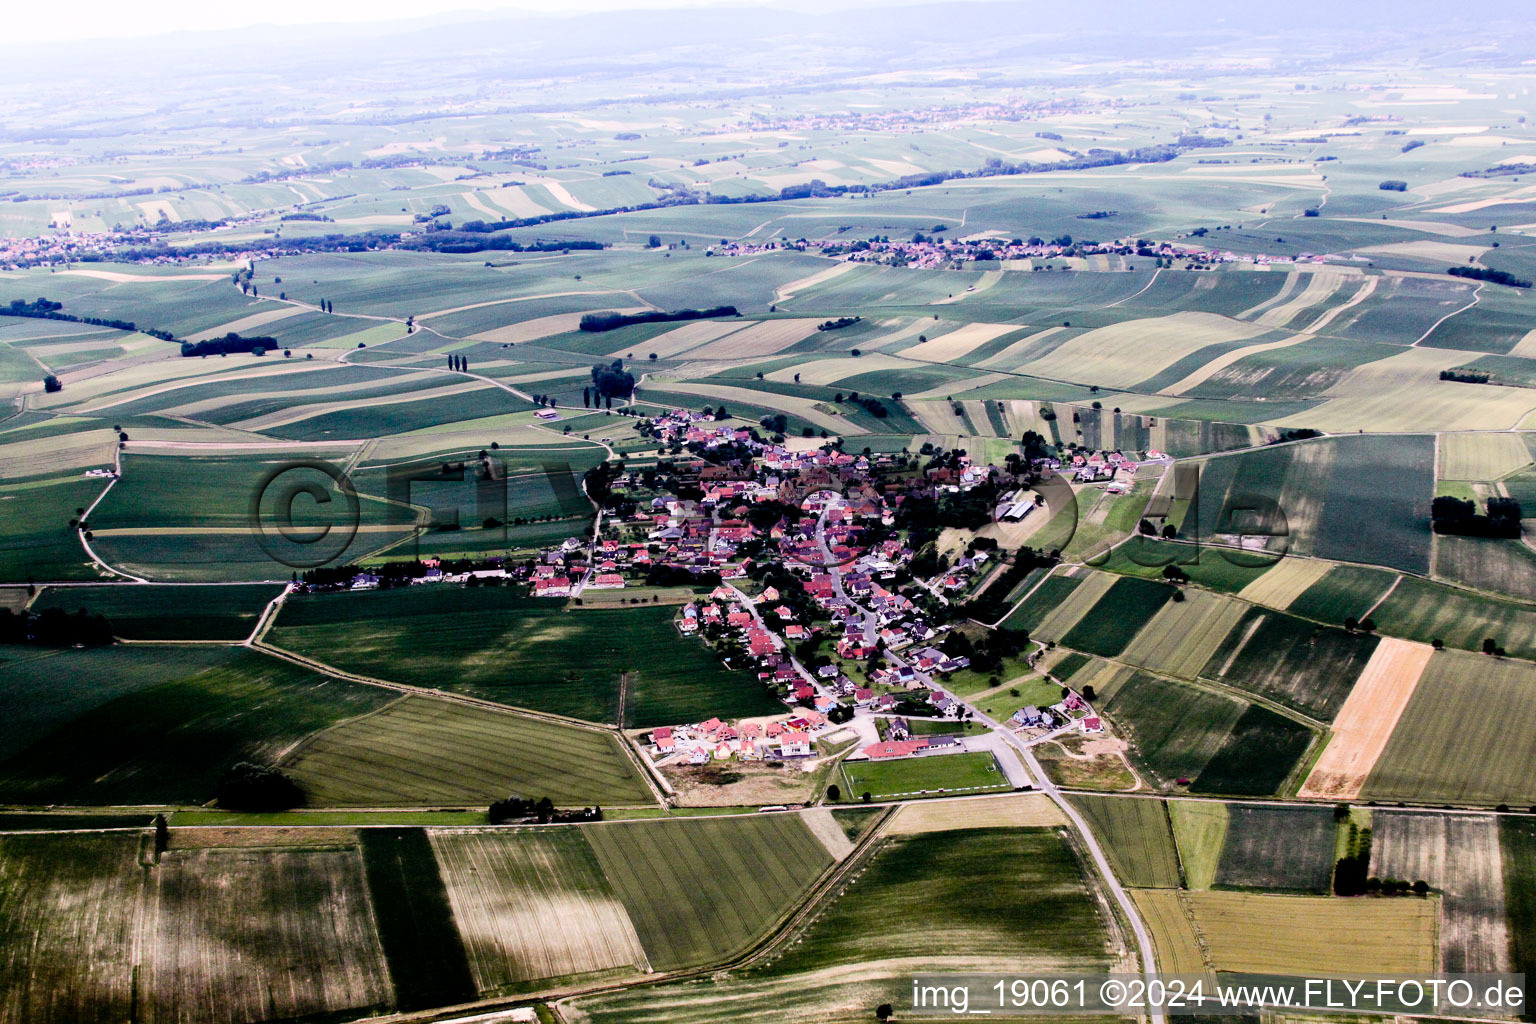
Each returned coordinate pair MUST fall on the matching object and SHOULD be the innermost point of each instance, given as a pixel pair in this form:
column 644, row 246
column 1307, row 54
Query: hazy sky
column 108, row 19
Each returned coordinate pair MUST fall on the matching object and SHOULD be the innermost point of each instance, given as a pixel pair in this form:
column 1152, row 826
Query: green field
column 1344, row 591
column 935, row 773
column 570, row 661
column 36, row 542
column 1467, row 736
column 171, row 741
column 1517, row 841
column 1299, row 664
column 1117, row 616
column 428, row 965
column 699, row 890
column 1174, row 729
column 1137, row 838
column 421, row 751
column 1278, row 849
column 1200, row 831
column 168, row 612
column 1424, row 611
column 1259, row 753
column 913, row 907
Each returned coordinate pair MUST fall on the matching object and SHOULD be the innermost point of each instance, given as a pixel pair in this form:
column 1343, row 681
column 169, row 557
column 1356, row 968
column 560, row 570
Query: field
column 1299, row 664
column 1128, row 605
column 1200, row 832
column 167, row 613
column 1460, row 858
column 1136, row 836
column 533, row 904
column 1257, row 755
column 913, row 908
column 1314, row 936
column 1481, row 457
column 1466, row 736
column 420, row 751
column 1183, row 635
column 935, row 773
column 1278, row 849
column 223, row 919
column 171, row 741
column 428, row 965
column 1505, row 567
column 1366, row 721
column 1020, row 810
column 1423, row 611
column 1344, row 591
column 1517, row 844
column 571, row 661
column 1174, row 729
column 1175, row 945
column 70, row 913
column 1285, row 582
column 699, row 890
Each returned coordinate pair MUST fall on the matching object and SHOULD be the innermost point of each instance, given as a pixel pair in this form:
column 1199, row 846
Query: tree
column 883, row 1012
column 833, row 793
column 258, row 787
column 1490, row 646
column 162, row 833
column 1351, row 623
column 654, row 242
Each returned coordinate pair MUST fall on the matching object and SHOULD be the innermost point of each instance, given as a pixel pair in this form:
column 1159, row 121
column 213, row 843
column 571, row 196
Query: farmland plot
column 1504, row 566
column 1283, row 849
column 168, row 613
column 1458, row 856
column 1183, row 635
column 1424, row 611
column 533, row 905
column 699, row 889
column 428, row 965
column 274, row 933
column 1342, row 592
column 1285, row 582
column 1174, row 729
column 68, row 914
column 1128, row 605
column 1136, row 836
column 1517, row 842
column 1125, row 354
column 1059, row 605
column 1200, row 832
column 1481, row 457
column 1177, row 948
column 1468, row 735
column 422, row 751
column 1017, row 810
column 1297, row 663
column 1315, row 936
column 1257, row 756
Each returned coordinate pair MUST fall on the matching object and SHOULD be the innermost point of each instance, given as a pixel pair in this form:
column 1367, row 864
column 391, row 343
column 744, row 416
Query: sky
column 114, row 19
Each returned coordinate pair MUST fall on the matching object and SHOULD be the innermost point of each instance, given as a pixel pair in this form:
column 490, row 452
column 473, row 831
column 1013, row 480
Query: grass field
column 1127, row 606
column 171, row 741
column 1468, row 735
column 533, row 904
column 225, row 918
column 912, row 909
column 1315, row 936
column 428, row 965
column 570, row 661
column 1278, row 849
column 938, row 773
column 168, row 613
column 1137, row 839
column 698, row 890
column 1200, row 832
column 36, row 541
column 421, row 751
column 1297, row 663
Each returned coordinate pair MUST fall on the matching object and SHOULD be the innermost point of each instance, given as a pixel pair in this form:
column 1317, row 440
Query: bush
column 257, row 787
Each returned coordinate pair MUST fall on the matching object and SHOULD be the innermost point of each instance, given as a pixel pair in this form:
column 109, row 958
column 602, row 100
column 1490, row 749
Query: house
column 607, row 581
column 863, row 697
column 556, row 586
column 1093, row 724
column 894, row 748
column 794, row 744
column 899, row 729
column 698, row 755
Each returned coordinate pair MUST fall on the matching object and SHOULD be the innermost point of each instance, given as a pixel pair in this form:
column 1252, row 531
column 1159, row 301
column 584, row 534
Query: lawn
column 170, row 742
column 168, row 612
column 1278, row 849
column 1468, row 735
column 422, row 751
column 1137, row 838
column 697, row 890
column 1128, row 605
column 570, row 661
column 936, row 773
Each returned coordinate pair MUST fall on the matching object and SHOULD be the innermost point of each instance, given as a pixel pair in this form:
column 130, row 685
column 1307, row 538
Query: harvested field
column 1285, row 582
column 1019, row 810
column 825, row 827
column 1315, row 936
column 1481, row 457
column 276, row 934
column 1183, row 635
column 1459, row 856
column 422, row 751
column 1136, row 836
column 1200, row 832
column 1467, row 736
column 699, row 889
column 68, row 917
column 1278, row 849
column 954, row 346
column 532, row 904
column 1175, row 945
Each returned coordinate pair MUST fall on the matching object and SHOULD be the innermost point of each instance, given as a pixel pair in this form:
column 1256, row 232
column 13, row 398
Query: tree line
column 611, row 321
